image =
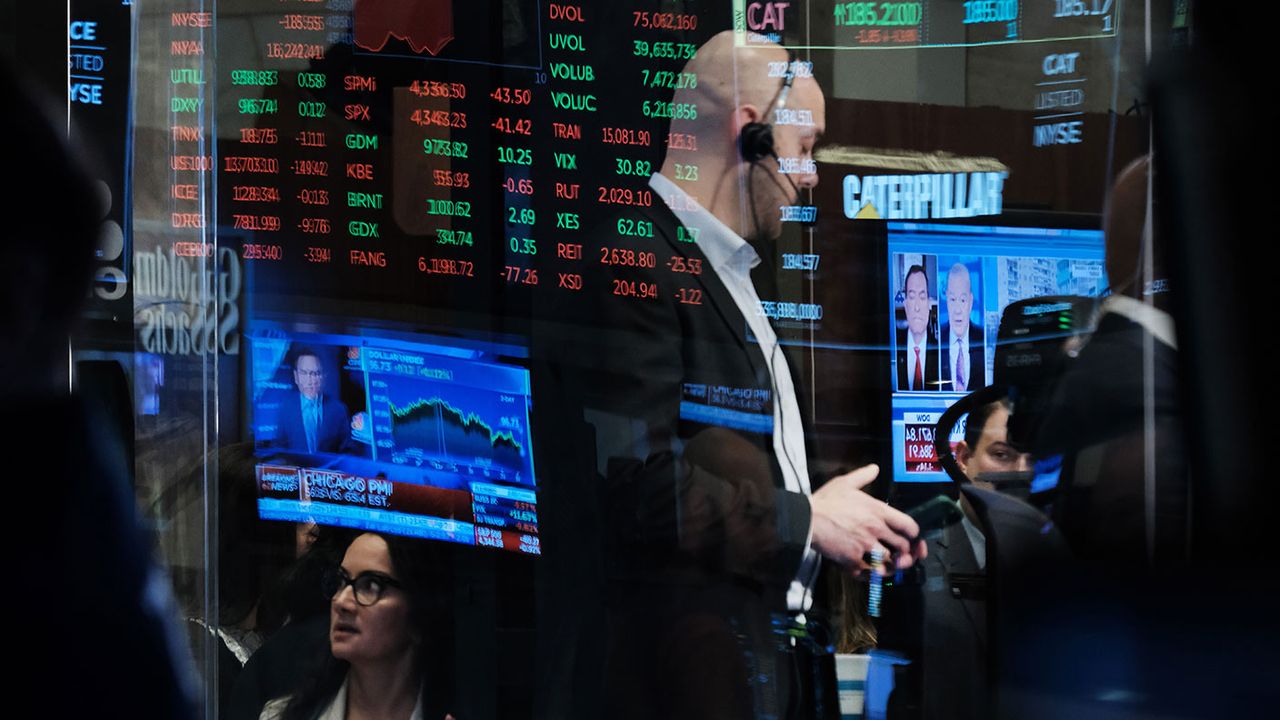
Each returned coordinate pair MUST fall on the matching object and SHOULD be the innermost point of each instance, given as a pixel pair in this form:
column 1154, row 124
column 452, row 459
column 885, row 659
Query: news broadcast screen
column 412, row 435
column 948, row 286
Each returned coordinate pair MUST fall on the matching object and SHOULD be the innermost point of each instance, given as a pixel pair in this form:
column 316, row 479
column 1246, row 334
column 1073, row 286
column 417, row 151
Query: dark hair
column 45, row 282
column 253, row 554
column 1124, row 218
column 293, row 597
column 912, row 271
column 977, row 421
column 423, row 570
column 304, row 352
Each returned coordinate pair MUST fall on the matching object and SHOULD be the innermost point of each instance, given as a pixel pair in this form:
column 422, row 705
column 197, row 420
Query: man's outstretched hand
column 848, row 524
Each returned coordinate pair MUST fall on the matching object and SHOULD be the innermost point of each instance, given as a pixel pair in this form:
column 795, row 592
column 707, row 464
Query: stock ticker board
column 454, row 153
column 339, row 161
column 943, row 23
column 448, row 153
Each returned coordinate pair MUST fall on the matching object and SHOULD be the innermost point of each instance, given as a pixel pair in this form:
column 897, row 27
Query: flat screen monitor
column 418, row 435
column 948, row 286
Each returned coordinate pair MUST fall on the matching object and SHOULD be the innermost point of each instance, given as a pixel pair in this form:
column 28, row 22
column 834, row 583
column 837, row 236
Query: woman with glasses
column 389, row 638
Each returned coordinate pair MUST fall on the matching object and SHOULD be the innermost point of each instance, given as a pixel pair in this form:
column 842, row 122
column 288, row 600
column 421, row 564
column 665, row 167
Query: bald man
column 964, row 366
column 694, row 410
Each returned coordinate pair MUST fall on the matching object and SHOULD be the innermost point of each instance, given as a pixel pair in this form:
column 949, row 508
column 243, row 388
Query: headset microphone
column 755, row 140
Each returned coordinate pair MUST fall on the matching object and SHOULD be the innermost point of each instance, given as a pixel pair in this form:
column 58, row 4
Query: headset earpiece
column 755, row 142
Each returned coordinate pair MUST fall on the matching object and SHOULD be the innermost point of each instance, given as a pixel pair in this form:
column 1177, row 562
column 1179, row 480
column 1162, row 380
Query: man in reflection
column 1116, row 413
column 963, row 367
column 311, row 420
column 716, row 530
column 917, row 350
column 955, row 660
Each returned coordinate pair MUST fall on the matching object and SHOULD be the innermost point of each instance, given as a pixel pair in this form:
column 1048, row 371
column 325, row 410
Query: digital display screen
column 412, row 151
column 505, row 166
column 421, row 436
column 975, row 22
column 949, row 285
column 457, row 155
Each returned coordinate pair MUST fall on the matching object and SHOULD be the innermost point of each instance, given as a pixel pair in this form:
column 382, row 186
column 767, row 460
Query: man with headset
column 694, row 409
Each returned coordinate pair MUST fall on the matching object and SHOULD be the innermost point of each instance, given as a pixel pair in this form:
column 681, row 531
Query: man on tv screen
column 917, row 350
column 311, row 420
column 962, row 360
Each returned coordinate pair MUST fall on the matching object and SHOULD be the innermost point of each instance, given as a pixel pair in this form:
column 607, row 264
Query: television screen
column 948, row 286
column 408, row 434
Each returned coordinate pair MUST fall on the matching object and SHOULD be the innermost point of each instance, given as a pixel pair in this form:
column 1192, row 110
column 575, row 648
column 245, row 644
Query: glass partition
column 648, row 359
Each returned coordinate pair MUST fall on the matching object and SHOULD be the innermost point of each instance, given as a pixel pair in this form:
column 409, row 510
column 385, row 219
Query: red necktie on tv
column 918, row 382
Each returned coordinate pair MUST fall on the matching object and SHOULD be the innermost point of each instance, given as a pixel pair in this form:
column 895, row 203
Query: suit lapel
column 960, row 560
column 713, row 289
column 960, row 557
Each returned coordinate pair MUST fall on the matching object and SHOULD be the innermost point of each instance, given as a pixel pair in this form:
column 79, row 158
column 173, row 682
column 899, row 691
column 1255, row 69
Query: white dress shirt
column 732, row 257
column 1155, row 321
column 335, row 710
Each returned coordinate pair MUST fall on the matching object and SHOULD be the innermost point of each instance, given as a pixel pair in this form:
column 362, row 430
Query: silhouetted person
column 91, row 608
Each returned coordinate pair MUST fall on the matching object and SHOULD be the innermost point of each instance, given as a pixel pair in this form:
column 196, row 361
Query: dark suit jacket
column 1098, row 420
column 106, row 574
column 930, row 362
column 331, row 436
column 702, row 539
column 977, row 367
column 980, row 626
column 955, row 629
column 653, row 358
column 278, row 667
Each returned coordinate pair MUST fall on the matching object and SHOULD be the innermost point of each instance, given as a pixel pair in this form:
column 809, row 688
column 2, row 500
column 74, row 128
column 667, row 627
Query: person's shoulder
column 274, row 709
column 635, row 249
column 653, row 228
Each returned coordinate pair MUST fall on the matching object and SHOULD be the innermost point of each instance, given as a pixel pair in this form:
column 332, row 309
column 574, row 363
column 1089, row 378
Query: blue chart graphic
column 464, row 416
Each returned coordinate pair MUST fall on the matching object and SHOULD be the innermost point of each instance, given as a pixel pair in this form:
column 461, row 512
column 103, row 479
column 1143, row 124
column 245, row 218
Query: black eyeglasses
column 367, row 586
